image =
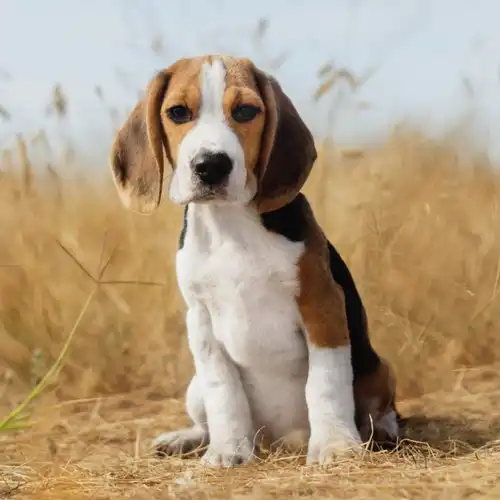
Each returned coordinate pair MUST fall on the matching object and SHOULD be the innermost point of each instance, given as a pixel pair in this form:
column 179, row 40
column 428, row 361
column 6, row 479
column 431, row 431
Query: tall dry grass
column 416, row 219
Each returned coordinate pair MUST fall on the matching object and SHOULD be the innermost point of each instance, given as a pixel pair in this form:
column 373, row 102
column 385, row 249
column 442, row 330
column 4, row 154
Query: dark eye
column 245, row 113
column 179, row 114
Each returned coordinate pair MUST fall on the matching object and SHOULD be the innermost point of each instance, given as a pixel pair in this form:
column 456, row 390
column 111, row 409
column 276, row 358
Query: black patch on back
column 182, row 236
column 291, row 222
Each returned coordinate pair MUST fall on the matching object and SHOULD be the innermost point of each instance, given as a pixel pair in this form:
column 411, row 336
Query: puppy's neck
column 217, row 223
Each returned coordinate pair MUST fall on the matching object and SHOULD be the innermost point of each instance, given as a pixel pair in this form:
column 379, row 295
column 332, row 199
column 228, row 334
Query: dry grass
column 416, row 220
column 98, row 449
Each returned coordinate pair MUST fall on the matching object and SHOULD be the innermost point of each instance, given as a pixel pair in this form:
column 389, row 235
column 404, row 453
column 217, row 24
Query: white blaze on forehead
column 213, row 85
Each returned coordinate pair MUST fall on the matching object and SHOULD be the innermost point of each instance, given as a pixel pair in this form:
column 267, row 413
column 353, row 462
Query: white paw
column 230, row 457
column 180, row 442
column 324, row 451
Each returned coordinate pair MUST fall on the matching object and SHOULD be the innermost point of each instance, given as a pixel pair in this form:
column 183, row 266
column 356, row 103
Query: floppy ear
column 287, row 149
column 137, row 156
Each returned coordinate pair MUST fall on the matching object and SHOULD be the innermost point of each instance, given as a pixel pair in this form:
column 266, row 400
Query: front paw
column 228, row 456
column 324, row 449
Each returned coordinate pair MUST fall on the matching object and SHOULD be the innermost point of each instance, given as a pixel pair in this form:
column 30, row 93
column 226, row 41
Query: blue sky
column 417, row 51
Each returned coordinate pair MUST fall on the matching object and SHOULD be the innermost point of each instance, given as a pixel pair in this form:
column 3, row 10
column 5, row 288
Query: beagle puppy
column 275, row 324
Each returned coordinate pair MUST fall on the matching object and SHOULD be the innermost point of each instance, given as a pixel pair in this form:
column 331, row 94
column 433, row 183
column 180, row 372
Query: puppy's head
column 226, row 129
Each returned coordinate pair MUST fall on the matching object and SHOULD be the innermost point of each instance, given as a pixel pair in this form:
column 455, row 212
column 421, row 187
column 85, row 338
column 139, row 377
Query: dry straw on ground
column 417, row 221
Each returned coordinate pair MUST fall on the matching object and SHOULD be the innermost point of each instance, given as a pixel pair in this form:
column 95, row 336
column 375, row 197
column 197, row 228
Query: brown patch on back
column 321, row 299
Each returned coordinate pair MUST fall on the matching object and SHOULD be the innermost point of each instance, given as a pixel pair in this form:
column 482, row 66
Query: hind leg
column 377, row 417
column 380, row 426
column 192, row 438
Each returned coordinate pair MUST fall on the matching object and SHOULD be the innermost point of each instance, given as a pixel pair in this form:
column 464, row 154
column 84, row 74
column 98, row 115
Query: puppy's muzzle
column 212, row 169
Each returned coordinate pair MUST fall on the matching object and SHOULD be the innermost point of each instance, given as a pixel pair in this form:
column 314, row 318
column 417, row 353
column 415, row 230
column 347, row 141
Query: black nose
column 213, row 168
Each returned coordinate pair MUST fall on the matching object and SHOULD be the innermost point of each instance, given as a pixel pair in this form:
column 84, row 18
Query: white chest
column 246, row 277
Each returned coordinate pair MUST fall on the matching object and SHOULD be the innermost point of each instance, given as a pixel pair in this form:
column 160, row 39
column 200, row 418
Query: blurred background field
column 416, row 216
column 415, row 220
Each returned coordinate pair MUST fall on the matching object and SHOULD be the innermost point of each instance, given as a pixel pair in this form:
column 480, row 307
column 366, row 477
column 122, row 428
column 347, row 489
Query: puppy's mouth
column 204, row 195
column 208, row 196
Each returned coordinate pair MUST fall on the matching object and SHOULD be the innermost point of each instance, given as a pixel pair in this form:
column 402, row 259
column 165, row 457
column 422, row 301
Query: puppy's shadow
column 450, row 435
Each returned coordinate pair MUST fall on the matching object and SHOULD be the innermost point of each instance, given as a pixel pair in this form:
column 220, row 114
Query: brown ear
column 137, row 156
column 287, row 151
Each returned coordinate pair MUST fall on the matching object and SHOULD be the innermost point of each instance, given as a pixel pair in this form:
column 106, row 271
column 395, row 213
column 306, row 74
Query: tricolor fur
column 275, row 324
